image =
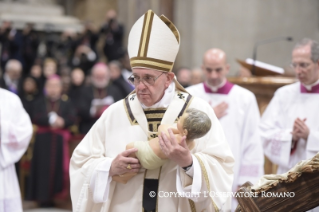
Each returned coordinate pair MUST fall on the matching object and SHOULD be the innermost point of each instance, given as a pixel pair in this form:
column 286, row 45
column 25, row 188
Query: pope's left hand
column 179, row 153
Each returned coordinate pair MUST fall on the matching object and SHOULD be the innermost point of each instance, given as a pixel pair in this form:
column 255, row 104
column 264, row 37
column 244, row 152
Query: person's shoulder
column 10, row 98
column 288, row 89
column 194, row 88
column 116, row 105
column 242, row 93
column 198, row 102
column 8, row 95
column 114, row 109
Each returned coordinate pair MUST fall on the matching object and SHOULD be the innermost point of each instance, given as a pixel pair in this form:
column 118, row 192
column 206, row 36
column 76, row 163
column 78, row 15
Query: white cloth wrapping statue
column 109, row 136
column 277, row 122
column 271, row 180
column 15, row 134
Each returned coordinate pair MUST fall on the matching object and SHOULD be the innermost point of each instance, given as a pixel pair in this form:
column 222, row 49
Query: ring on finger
column 129, row 166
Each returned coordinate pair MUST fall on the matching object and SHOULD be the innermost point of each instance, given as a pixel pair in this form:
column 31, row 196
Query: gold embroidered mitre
column 153, row 43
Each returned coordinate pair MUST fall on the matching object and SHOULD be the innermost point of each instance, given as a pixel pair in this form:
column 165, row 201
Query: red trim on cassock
column 66, row 135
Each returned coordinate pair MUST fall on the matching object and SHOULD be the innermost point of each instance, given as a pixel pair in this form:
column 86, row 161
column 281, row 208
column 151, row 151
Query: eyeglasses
column 147, row 80
column 301, row 65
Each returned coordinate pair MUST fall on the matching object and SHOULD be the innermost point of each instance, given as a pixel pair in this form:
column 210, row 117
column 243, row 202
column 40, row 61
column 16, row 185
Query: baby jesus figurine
column 193, row 124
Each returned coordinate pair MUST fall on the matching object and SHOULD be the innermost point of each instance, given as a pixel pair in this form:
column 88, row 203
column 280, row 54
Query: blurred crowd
column 64, row 87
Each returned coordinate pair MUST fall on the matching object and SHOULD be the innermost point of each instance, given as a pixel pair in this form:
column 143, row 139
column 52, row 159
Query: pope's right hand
column 123, row 163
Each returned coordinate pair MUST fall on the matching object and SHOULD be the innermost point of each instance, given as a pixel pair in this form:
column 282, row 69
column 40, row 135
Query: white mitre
column 153, row 43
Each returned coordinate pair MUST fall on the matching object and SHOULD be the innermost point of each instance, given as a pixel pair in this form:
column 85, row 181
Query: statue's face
column 152, row 92
column 180, row 124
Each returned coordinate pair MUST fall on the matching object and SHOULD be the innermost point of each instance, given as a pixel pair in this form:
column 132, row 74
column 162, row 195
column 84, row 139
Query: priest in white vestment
column 290, row 124
column 238, row 113
column 15, row 135
column 191, row 179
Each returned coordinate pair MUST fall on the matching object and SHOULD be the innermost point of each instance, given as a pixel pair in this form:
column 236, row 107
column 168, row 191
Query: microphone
column 262, row 42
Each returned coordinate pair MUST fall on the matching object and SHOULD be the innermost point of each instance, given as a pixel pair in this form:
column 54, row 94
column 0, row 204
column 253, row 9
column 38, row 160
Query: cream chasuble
column 125, row 122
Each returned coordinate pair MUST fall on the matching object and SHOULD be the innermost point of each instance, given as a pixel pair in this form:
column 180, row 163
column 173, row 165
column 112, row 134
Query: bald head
column 215, row 55
column 100, row 75
column 215, row 66
column 13, row 69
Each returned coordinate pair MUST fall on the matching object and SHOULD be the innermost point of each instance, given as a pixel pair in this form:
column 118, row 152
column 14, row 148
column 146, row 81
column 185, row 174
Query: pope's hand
column 123, row 163
column 179, row 153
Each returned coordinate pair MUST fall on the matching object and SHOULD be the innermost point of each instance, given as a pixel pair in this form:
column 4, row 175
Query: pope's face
column 306, row 70
column 151, row 94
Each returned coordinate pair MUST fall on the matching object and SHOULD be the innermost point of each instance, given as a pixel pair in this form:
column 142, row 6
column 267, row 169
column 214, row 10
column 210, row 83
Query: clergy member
column 290, row 126
column 52, row 114
column 97, row 97
column 237, row 110
column 157, row 99
column 15, row 135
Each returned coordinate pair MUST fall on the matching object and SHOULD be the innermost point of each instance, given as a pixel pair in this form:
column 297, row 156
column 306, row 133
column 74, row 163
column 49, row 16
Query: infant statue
column 193, row 124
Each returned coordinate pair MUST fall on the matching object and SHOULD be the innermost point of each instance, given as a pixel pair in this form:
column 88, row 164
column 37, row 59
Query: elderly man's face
column 14, row 73
column 306, row 70
column 100, row 77
column 151, row 94
column 53, row 88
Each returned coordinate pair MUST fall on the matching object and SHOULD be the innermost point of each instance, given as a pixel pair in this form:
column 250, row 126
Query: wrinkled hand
column 179, row 153
column 220, row 109
column 120, row 163
column 300, row 130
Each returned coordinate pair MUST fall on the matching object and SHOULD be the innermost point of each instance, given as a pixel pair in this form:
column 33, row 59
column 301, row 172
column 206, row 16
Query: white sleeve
column 276, row 137
column 186, row 184
column 252, row 155
column 99, row 185
column 312, row 143
column 16, row 132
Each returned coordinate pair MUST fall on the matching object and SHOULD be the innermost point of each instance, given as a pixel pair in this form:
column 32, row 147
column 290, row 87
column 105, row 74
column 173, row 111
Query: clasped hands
column 179, row 153
column 300, row 130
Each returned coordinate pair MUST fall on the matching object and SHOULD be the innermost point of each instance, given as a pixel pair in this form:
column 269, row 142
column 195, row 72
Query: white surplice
column 240, row 125
column 212, row 157
column 277, row 123
column 15, row 135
